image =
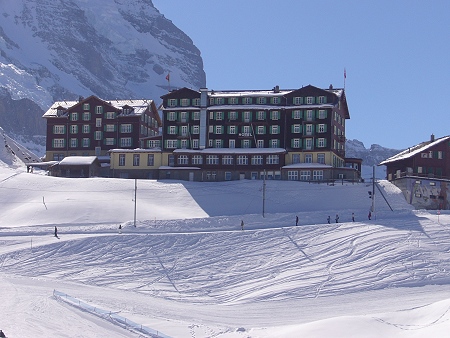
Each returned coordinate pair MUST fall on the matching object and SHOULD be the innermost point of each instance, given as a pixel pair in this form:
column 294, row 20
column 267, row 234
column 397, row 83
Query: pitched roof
column 414, row 150
column 78, row 160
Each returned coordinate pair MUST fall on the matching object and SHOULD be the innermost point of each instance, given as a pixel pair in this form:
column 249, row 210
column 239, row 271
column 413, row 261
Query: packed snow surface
column 183, row 267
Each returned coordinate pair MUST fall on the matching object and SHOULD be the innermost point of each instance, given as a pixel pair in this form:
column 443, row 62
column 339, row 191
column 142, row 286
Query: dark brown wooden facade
column 93, row 126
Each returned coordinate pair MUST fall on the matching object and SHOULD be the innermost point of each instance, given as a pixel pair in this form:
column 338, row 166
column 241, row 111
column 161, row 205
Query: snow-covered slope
column 61, row 49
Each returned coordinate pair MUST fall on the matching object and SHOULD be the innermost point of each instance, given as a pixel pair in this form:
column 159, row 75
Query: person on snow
column 296, row 220
column 120, row 228
column 369, row 216
column 353, row 216
column 337, row 218
column 242, row 224
column 328, row 219
column 56, row 232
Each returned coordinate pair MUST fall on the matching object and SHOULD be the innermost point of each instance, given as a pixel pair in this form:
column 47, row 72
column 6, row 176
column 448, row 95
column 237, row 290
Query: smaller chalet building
column 76, row 166
column 422, row 172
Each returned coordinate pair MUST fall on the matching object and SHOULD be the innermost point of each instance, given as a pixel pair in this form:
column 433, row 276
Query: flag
column 168, row 77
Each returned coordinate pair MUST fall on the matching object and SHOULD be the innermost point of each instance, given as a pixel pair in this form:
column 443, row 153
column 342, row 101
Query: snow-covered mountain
column 62, row 49
column 370, row 156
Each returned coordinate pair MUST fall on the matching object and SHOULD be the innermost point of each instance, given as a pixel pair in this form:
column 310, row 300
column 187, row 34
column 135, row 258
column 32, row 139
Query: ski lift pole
column 135, row 189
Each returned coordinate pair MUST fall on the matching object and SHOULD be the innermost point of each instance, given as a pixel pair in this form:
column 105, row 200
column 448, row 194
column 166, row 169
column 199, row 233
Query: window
column 109, row 141
column 232, row 115
column 295, row 158
column 305, row 175
column 308, row 158
column 196, row 115
column 99, row 109
column 309, row 129
column 246, row 116
column 227, row 160
column 73, row 143
column 246, row 131
column 321, row 142
column 322, row 114
column 317, row 175
column 183, row 159
column 227, row 176
column 172, row 130
column 212, row 159
column 98, row 135
column 185, row 102
column 153, row 144
column 261, row 115
column 260, row 144
column 272, row 159
column 261, row 130
column 296, row 128
column 184, row 130
column 218, row 129
column 110, row 127
column 85, row 106
column 274, row 143
column 274, row 130
column 184, row 144
column 321, row 158
column 232, row 130
column 196, row 130
column 322, row 99
column 321, row 128
column 233, row 100
column 297, row 100
column 125, row 142
column 231, row 143
column 172, row 144
column 195, row 143
column 297, row 114
column 172, row 103
column 275, row 115
column 248, row 100
column 74, row 129
column 219, row 100
column 171, row 116
column 275, row 100
column 310, row 100
column 440, row 155
column 110, row 115
column 257, row 160
column 136, row 160
column 242, row 160
column 126, row 128
column 121, row 160
column 86, row 116
column 309, row 115
column 245, row 143
column 261, row 100
column 196, row 102
column 218, row 143
column 59, row 129
column 197, row 159
column 98, row 122
column 86, row 142
column 58, row 143
column 292, row 175
column 296, row 143
column 183, row 116
column 73, row 116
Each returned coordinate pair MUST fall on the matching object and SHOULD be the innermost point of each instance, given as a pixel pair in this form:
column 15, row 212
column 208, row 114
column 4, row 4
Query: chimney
column 276, row 89
column 432, row 137
column 330, row 87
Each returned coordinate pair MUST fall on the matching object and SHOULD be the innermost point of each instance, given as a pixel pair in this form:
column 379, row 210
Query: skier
column 120, row 228
column 328, row 219
column 353, row 216
column 56, row 232
column 370, row 215
column 337, row 218
column 296, row 220
column 242, row 224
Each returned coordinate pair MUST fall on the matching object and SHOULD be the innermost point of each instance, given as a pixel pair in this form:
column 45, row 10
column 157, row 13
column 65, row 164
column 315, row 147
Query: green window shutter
column 324, row 99
column 325, row 128
column 325, row 142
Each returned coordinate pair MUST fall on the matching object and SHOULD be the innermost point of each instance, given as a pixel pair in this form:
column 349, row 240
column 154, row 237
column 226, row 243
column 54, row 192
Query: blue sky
column 396, row 55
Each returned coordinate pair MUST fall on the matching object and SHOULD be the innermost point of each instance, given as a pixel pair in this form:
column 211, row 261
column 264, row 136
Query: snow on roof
column 248, row 93
column 233, row 151
column 78, row 160
column 139, row 106
column 412, row 151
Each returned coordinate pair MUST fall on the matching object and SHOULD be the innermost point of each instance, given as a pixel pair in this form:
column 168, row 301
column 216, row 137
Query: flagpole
column 345, row 76
column 168, row 79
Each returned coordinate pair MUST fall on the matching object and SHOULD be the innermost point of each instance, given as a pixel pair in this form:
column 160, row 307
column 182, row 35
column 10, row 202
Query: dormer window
column 85, row 106
column 247, row 100
column 172, row 103
column 261, row 100
column 219, row 100
column 298, row 100
column 310, row 100
column 233, row 100
column 127, row 111
column 196, row 102
column 185, row 102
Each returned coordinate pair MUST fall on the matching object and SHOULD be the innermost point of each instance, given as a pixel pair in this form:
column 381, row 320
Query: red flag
column 168, row 77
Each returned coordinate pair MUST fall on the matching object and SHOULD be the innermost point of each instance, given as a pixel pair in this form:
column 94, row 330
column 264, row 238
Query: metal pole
column 264, row 192
column 373, row 190
column 135, row 190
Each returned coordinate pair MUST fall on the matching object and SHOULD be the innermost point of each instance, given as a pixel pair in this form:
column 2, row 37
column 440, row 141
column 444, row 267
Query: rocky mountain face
column 61, row 49
column 371, row 156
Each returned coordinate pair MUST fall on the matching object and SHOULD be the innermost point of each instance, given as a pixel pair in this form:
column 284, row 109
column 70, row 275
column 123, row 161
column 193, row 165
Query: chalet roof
column 414, row 150
column 138, row 106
